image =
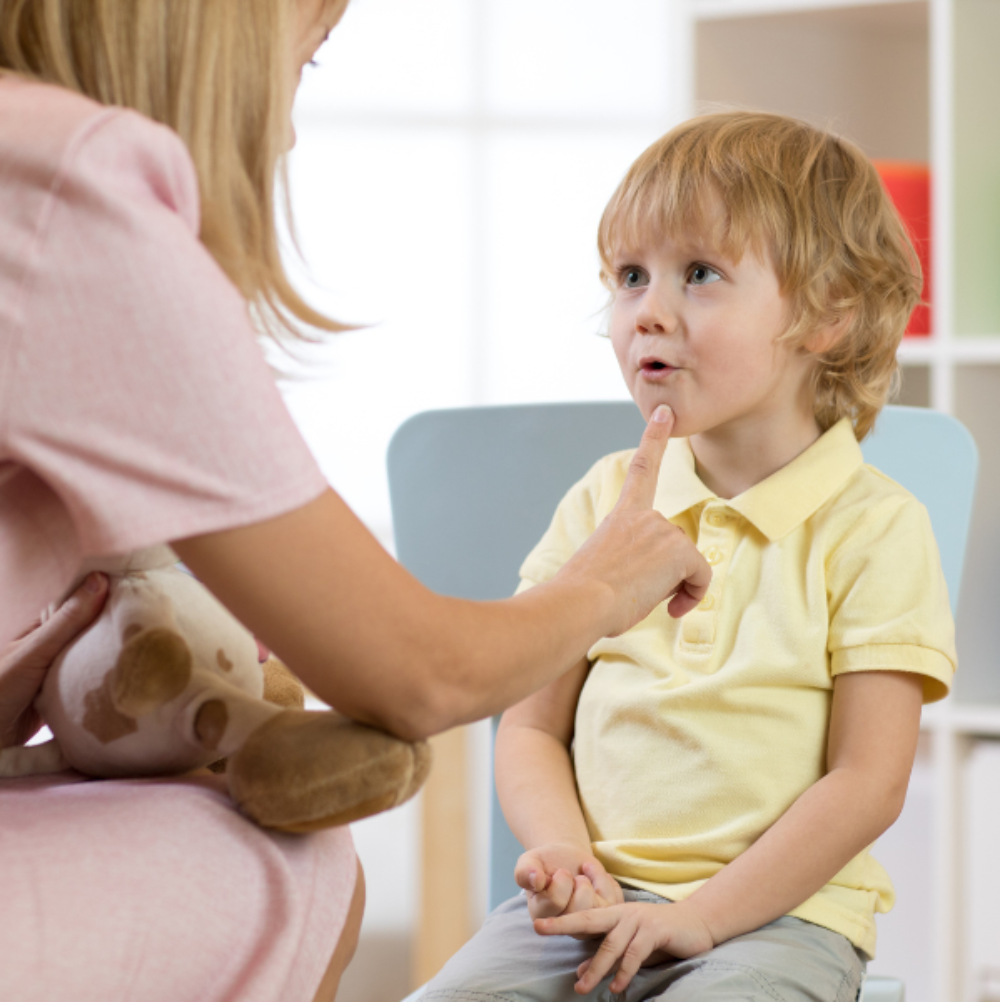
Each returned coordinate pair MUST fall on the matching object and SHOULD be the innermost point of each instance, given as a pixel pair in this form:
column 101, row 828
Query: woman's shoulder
column 42, row 116
column 52, row 137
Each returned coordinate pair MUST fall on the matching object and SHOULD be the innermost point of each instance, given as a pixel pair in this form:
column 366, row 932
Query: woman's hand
column 560, row 879
column 25, row 661
column 640, row 555
column 635, row 934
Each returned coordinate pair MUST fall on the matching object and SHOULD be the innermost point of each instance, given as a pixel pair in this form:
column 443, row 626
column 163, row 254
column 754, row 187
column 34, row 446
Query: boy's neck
column 733, row 459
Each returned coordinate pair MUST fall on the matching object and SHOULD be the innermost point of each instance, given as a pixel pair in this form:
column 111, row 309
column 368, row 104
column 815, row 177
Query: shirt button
column 717, row 518
column 707, row 602
column 713, row 556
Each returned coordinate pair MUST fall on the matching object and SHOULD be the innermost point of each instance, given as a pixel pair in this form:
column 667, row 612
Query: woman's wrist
column 593, row 602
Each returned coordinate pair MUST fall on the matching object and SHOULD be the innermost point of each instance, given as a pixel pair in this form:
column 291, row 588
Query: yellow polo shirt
column 694, row 736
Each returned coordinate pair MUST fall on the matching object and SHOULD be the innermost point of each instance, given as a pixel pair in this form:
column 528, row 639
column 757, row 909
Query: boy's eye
column 632, row 278
column 702, row 274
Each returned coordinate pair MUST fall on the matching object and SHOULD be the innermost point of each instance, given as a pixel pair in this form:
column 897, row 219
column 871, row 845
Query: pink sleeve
column 136, row 389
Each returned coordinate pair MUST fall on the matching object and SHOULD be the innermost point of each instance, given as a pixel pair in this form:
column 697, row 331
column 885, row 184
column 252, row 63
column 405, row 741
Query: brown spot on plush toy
column 166, row 681
column 210, row 723
column 153, row 668
column 100, row 715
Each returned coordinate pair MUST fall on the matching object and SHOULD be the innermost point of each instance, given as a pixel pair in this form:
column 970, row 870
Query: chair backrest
column 473, row 489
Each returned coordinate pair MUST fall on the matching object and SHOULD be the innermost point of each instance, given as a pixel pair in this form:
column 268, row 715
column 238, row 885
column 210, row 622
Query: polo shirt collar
column 781, row 503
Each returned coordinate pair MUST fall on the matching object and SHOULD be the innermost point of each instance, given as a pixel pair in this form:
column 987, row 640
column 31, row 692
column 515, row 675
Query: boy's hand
column 635, row 934
column 560, row 879
column 638, row 553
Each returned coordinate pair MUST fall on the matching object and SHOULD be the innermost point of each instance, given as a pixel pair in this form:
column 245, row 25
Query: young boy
column 699, row 795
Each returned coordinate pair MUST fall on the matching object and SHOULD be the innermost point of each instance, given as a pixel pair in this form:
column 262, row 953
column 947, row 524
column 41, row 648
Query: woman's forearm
column 366, row 637
column 369, row 639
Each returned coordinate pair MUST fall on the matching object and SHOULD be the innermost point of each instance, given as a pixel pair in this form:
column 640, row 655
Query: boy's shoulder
column 869, row 486
column 873, row 511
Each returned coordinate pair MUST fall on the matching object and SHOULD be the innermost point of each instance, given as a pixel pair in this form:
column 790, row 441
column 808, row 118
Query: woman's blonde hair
column 215, row 71
column 812, row 204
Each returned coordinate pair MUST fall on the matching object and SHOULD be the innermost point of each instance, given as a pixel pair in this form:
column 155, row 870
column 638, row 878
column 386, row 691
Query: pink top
column 135, row 408
column 135, row 405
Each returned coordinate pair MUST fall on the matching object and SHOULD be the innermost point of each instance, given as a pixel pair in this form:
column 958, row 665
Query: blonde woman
column 139, row 144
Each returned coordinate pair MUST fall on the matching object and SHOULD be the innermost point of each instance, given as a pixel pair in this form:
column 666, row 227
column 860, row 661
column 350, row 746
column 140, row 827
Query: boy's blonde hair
column 812, row 204
column 217, row 72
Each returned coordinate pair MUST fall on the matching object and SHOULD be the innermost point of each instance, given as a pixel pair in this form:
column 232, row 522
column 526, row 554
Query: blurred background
column 453, row 160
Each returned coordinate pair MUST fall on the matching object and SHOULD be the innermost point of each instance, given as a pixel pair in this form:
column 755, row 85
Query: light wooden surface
column 445, row 921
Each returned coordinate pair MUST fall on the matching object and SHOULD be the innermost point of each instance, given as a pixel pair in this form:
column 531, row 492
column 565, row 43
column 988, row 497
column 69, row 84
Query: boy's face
column 695, row 330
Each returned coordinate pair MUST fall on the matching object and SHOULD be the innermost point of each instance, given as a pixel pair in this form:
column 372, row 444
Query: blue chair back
column 473, row 489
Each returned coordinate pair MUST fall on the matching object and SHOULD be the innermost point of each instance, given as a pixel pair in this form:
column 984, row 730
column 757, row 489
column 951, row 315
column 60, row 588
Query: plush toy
column 166, row 681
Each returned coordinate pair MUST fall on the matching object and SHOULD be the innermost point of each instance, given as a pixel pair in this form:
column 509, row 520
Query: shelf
column 790, row 58
column 962, row 718
column 968, row 350
column 715, row 10
column 919, row 351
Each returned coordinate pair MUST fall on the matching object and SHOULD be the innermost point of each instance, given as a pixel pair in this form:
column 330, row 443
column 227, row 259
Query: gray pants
column 786, row 961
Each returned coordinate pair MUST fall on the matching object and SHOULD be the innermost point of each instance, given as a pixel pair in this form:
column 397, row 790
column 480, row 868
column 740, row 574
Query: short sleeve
column 136, row 389
column 577, row 516
column 888, row 599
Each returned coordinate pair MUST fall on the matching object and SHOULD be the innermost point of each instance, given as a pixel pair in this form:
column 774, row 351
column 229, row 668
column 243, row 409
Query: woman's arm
column 874, row 726
column 368, row 638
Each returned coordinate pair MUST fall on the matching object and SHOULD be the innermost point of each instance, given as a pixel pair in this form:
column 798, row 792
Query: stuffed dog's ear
column 281, row 687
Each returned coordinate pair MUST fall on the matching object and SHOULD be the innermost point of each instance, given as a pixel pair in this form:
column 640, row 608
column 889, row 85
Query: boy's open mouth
column 652, row 368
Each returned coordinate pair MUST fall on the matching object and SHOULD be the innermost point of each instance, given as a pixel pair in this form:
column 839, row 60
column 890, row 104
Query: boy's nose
column 655, row 316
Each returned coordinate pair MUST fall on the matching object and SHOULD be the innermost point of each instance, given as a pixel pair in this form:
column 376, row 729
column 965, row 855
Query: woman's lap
column 786, row 961
column 160, row 890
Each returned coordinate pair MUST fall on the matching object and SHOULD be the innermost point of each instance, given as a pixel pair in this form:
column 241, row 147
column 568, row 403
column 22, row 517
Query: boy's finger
column 554, row 899
column 529, row 873
column 560, row 890
column 604, row 884
column 606, row 959
column 644, row 470
column 595, row 922
column 582, row 898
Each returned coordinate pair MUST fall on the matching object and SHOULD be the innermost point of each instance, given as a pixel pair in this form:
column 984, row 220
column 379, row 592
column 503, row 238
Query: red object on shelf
column 909, row 187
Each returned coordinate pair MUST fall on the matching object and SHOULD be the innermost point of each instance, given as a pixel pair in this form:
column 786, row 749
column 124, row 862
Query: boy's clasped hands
column 571, row 894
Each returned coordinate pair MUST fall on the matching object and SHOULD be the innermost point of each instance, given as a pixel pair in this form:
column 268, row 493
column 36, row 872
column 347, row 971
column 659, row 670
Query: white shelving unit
column 909, row 80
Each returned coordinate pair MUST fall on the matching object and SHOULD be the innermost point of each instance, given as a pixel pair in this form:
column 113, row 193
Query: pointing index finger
column 644, row 470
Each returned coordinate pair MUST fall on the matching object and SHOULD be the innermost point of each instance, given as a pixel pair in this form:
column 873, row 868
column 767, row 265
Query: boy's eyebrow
column 689, row 250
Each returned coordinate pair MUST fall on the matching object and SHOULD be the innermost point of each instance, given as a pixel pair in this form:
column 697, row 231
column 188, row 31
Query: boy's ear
column 824, row 338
